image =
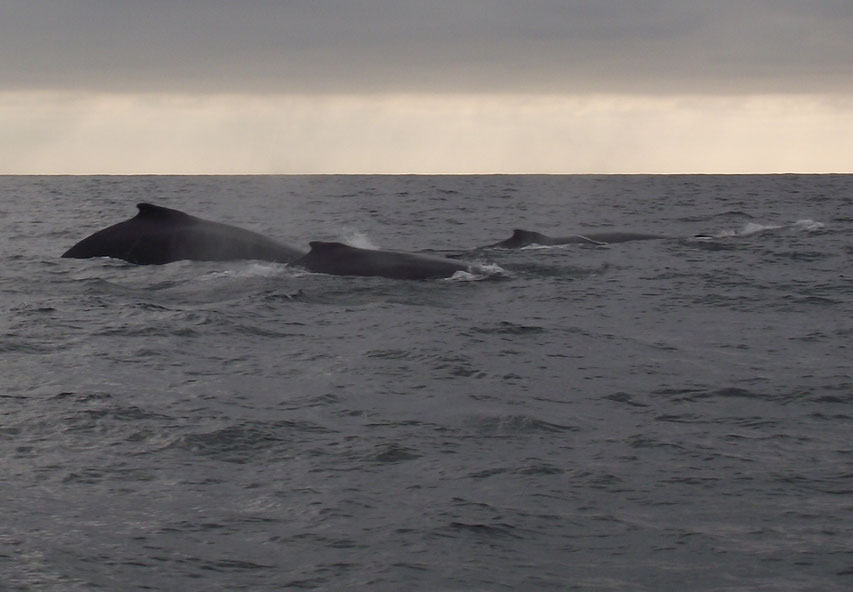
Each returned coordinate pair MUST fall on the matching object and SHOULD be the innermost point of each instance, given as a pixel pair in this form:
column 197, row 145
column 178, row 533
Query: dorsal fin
column 150, row 211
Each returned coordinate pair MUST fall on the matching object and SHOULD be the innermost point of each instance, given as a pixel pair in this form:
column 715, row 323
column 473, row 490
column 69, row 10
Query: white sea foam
column 478, row 272
column 754, row 228
column 806, row 224
column 249, row 270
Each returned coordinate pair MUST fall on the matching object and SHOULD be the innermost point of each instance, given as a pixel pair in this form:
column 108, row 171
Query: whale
column 522, row 238
column 339, row 259
column 158, row 235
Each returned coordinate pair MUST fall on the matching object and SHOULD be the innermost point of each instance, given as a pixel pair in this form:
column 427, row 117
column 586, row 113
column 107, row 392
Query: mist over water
column 656, row 415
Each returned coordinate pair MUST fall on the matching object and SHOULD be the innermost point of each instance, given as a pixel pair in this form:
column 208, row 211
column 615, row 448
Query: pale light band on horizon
column 87, row 133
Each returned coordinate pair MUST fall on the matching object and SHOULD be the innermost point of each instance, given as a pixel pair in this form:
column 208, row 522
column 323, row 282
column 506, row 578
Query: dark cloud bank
column 311, row 46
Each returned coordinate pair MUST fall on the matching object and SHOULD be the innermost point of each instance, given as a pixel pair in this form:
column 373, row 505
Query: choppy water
column 660, row 415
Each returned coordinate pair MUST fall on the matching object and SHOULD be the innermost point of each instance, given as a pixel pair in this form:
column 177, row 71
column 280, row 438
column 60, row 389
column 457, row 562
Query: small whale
column 523, row 238
column 158, row 235
column 340, row 259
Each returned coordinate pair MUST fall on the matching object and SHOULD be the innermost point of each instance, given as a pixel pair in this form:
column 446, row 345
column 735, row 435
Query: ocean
column 658, row 415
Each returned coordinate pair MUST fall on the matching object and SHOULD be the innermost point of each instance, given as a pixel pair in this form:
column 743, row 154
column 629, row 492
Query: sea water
column 660, row 415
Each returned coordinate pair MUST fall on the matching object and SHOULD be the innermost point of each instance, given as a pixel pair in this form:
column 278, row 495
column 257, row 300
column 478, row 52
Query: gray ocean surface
column 659, row 415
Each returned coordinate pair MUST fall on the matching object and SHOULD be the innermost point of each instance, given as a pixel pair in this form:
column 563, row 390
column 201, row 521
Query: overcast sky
column 621, row 73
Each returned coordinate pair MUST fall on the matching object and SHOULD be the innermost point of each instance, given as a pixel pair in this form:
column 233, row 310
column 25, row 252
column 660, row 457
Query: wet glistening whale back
column 158, row 235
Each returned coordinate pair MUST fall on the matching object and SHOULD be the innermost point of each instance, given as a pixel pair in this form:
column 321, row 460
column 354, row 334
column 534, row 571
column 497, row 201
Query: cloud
column 387, row 46
column 399, row 133
column 304, row 86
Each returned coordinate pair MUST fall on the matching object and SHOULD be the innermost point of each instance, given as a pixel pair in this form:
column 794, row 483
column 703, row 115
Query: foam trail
column 254, row 269
column 477, row 272
column 748, row 229
column 808, row 225
column 753, row 228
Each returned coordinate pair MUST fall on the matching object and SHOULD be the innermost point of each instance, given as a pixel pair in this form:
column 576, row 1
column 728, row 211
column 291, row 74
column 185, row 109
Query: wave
column 751, row 228
column 479, row 272
column 250, row 270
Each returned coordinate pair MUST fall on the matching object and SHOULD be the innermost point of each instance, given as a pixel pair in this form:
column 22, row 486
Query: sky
column 397, row 86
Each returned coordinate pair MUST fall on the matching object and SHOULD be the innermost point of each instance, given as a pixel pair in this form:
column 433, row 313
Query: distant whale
column 159, row 235
column 341, row 259
column 523, row 238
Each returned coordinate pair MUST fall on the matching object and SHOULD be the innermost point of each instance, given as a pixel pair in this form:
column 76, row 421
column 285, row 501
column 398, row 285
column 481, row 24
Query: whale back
column 522, row 238
column 158, row 235
column 158, row 214
column 340, row 259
